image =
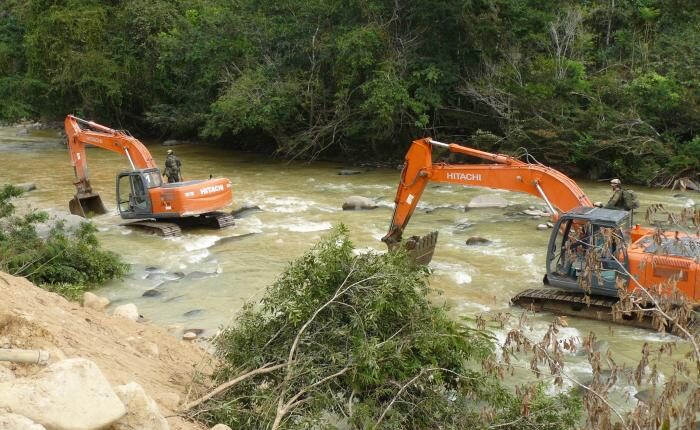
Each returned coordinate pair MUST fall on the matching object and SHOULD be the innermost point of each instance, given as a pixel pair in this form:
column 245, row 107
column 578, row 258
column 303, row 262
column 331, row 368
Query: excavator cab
column 133, row 198
column 587, row 251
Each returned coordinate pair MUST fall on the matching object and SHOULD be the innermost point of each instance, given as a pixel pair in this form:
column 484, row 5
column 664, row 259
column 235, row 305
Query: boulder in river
column 349, row 172
column 69, row 221
column 535, row 212
column 463, row 225
column 189, row 336
column 487, row 201
column 236, row 238
column 153, row 292
column 71, row 394
column 197, row 274
column 475, row 240
column 193, row 313
column 542, row 227
column 358, row 203
column 27, row 186
column 164, row 276
column 245, row 211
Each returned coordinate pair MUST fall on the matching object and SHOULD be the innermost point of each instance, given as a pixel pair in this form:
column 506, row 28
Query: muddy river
column 299, row 203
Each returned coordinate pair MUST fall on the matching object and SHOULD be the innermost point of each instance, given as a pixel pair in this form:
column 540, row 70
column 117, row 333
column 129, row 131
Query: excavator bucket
column 86, row 205
column 421, row 249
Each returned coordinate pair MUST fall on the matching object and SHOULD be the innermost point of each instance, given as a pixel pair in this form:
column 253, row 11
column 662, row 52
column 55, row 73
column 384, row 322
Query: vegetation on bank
column 67, row 262
column 353, row 340
column 596, row 88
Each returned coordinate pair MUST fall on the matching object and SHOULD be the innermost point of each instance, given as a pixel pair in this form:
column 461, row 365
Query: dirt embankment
column 125, row 351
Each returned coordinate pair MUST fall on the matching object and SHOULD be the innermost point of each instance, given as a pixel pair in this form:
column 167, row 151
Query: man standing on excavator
column 617, row 200
column 172, row 167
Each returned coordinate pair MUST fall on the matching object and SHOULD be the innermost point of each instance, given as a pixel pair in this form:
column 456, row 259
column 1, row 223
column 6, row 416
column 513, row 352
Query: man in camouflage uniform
column 172, row 167
column 617, row 200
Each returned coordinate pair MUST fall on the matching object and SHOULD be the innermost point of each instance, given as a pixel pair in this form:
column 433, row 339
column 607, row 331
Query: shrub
column 345, row 338
column 67, row 262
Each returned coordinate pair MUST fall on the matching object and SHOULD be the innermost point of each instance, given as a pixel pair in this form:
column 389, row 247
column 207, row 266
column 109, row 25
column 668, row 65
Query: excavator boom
column 81, row 133
column 504, row 172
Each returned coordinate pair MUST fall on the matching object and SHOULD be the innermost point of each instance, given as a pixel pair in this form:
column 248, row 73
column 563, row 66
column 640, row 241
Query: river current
column 299, row 203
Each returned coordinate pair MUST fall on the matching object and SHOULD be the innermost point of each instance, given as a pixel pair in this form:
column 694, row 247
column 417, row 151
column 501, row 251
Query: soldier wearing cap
column 617, row 200
column 172, row 167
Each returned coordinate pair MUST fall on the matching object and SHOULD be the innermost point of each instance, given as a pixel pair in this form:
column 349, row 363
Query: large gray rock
column 142, row 412
column 476, row 240
column 72, row 394
column 18, row 422
column 535, row 212
column 128, row 311
column 487, row 201
column 245, row 210
column 70, row 222
column 27, row 186
column 358, row 202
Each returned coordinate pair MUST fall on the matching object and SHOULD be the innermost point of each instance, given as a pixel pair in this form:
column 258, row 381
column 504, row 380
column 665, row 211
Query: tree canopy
column 595, row 88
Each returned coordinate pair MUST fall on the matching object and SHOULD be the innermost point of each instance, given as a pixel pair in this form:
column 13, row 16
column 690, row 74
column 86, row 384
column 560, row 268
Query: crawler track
column 216, row 220
column 165, row 229
column 599, row 308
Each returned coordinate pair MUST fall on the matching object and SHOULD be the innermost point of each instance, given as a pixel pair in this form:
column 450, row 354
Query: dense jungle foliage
column 597, row 88
column 57, row 258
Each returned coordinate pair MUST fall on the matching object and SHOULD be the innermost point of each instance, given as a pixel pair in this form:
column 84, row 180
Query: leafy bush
column 67, row 262
column 345, row 338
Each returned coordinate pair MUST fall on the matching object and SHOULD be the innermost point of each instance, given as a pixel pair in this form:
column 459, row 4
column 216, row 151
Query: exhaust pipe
column 86, row 205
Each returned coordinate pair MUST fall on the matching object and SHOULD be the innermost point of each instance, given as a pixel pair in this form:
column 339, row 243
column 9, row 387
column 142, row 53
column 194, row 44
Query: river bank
column 202, row 279
column 124, row 351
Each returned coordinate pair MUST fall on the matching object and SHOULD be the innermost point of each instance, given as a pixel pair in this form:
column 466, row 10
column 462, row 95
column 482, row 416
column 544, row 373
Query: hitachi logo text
column 464, row 176
column 208, row 190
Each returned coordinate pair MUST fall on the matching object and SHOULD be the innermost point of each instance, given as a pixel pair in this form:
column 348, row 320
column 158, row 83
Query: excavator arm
column 559, row 192
column 80, row 133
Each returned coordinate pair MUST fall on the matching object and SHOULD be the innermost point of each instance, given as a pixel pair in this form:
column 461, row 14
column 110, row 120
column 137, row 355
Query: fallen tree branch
column 266, row 368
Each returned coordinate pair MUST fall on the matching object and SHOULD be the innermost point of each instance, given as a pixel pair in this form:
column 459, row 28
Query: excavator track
column 216, row 220
column 599, row 308
column 165, row 229
column 220, row 219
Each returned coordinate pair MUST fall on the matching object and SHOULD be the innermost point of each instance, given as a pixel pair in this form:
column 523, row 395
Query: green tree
column 353, row 338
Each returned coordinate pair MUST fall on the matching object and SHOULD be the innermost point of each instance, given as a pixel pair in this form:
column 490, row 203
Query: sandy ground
column 124, row 350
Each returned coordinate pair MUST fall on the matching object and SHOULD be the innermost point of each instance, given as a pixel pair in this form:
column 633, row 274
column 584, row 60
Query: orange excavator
column 141, row 194
column 591, row 250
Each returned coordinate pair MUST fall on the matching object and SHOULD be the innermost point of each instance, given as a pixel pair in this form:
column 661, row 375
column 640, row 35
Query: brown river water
column 300, row 202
